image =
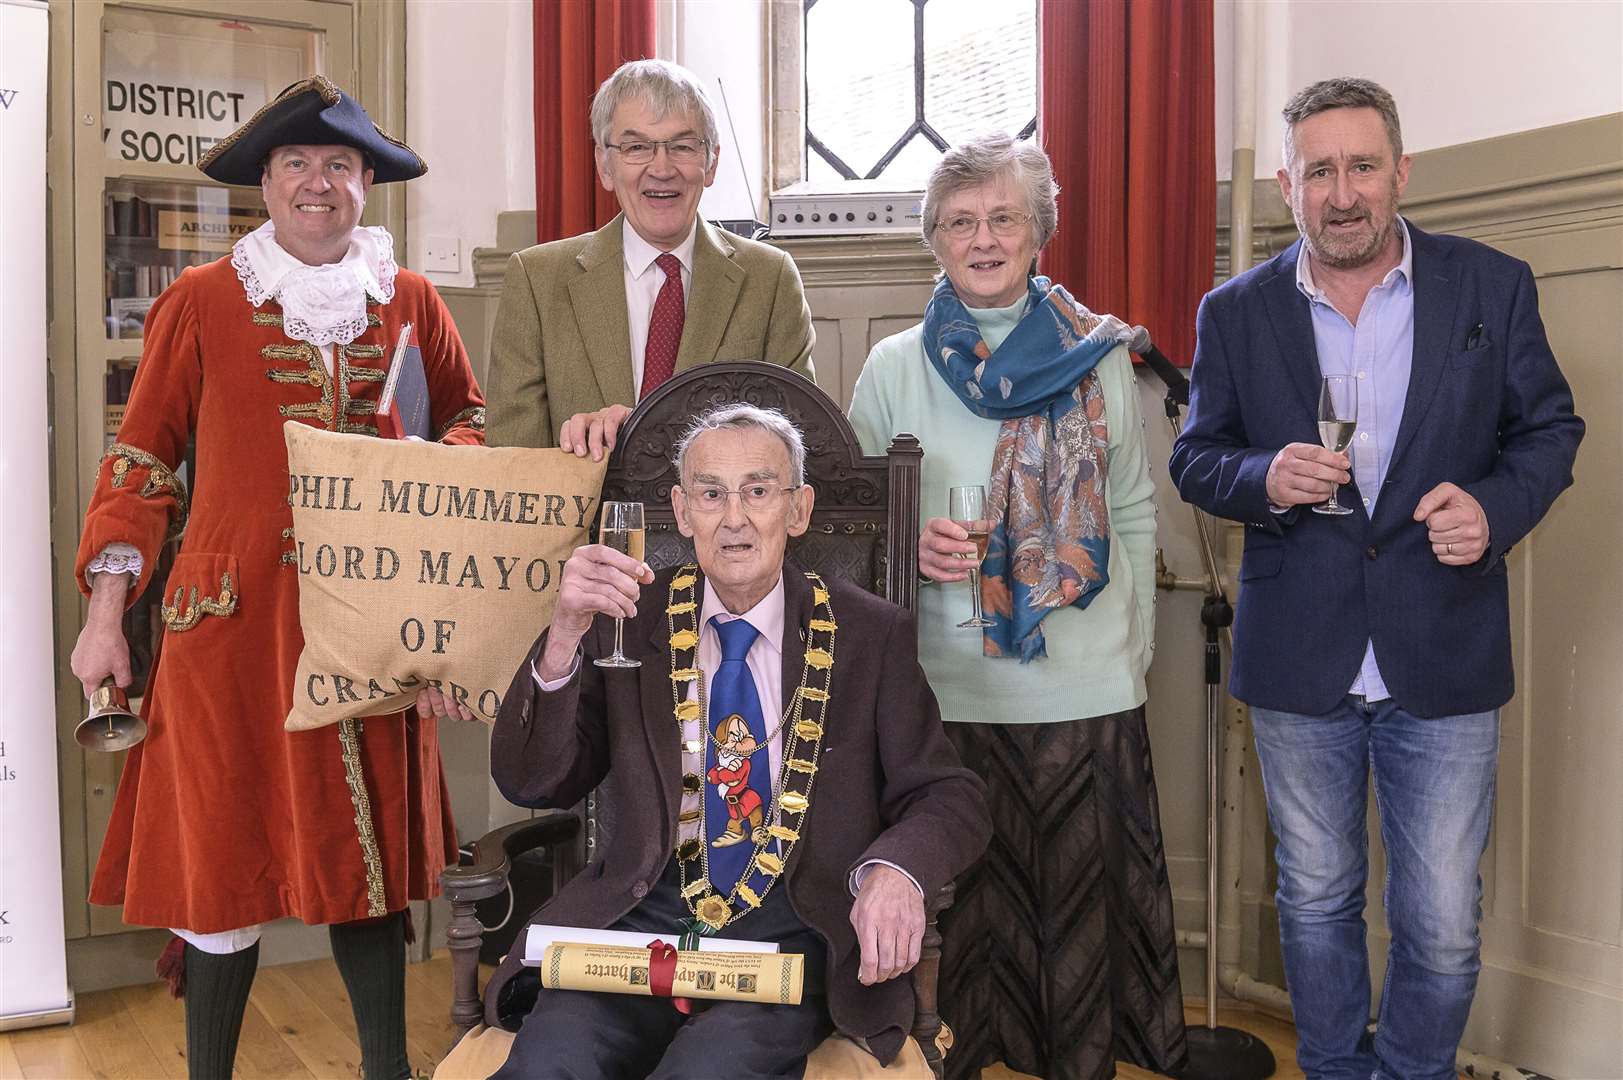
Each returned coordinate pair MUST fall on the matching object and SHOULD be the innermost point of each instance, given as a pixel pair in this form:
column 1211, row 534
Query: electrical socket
column 443, row 253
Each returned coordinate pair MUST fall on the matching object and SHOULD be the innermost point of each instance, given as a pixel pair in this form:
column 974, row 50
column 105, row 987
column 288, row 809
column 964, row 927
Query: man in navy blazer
column 1377, row 642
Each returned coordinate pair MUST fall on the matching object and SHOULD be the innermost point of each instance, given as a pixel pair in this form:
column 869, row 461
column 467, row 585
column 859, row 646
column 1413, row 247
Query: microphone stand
column 1215, row 1052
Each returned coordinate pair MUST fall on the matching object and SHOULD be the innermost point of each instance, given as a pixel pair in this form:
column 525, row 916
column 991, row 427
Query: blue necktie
column 731, row 818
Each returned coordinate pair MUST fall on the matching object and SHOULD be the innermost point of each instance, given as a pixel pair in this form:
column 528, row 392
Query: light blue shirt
column 1377, row 353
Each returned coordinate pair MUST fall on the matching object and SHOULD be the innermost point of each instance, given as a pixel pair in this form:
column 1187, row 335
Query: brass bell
column 111, row 726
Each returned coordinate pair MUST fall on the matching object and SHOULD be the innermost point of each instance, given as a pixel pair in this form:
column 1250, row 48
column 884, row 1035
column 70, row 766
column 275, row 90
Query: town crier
column 224, row 821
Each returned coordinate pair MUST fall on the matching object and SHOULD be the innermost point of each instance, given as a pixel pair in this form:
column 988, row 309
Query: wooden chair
column 864, row 528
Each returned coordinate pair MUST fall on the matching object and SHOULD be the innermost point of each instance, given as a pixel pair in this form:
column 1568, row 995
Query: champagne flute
column 620, row 527
column 1338, row 419
column 967, row 507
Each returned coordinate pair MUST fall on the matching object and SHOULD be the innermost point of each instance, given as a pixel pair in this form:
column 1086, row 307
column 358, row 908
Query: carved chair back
column 865, row 521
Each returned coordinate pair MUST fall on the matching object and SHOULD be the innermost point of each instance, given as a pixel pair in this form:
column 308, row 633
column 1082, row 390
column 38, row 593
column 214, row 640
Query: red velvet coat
column 223, row 819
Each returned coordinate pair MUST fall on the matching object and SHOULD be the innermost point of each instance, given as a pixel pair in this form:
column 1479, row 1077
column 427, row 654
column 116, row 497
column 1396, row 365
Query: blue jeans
column 1434, row 784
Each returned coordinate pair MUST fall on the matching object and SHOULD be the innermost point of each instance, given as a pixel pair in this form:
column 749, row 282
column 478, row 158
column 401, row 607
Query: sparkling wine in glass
column 620, row 527
column 967, row 507
column 1338, row 419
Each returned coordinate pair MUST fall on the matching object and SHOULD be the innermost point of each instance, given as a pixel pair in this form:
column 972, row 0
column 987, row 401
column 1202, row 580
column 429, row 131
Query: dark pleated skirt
column 1058, row 955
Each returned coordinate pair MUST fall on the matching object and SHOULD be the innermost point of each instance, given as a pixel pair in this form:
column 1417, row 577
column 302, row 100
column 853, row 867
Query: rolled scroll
column 768, row 978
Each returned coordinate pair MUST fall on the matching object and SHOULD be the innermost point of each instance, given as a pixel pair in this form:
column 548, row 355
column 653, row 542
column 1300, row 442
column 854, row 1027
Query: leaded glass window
column 890, row 84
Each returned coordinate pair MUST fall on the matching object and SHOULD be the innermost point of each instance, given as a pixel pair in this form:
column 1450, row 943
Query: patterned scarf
column 1049, row 544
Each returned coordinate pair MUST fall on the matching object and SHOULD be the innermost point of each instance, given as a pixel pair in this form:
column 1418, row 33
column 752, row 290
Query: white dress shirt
column 643, row 282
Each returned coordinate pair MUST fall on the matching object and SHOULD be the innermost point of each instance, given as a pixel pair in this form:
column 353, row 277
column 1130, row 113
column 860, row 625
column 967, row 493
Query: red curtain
column 1126, row 117
column 578, row 44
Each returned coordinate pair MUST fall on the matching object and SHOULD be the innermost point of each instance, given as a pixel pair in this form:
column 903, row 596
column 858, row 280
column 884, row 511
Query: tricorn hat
column 311, row 112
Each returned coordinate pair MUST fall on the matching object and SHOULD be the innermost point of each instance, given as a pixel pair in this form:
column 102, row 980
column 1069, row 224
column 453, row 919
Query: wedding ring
column 1451, row 549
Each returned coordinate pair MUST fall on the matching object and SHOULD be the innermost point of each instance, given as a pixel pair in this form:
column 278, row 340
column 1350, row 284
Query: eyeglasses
column 1002, row 223
column 680, row 151
column 712, row 500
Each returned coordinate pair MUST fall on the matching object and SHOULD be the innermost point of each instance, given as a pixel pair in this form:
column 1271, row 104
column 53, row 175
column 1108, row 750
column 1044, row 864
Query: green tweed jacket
column 561, row 345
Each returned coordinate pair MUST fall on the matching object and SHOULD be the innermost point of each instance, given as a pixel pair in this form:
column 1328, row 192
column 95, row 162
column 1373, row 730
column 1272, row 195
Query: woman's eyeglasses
column 1002, row 223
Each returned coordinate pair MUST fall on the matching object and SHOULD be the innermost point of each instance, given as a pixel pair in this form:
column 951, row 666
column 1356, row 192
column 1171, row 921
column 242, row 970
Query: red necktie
column 664, row 327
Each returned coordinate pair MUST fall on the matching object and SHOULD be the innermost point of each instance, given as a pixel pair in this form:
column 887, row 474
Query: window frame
column 786, row 104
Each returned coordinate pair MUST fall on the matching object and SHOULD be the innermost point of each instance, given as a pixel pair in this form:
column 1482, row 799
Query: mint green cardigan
column 1097, row 656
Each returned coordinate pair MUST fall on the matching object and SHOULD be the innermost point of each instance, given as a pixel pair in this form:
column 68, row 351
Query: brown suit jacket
column 561, row 344
column 889, row 784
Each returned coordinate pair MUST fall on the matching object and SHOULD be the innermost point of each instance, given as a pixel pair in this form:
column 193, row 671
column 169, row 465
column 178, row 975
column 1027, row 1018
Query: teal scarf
column 1049, row 544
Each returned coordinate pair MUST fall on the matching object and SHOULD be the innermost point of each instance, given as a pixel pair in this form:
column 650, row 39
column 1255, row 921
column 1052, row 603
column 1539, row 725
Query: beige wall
column 1461, row 70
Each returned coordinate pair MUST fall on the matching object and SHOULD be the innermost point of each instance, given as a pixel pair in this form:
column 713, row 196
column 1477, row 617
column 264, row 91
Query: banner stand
column 33, row 949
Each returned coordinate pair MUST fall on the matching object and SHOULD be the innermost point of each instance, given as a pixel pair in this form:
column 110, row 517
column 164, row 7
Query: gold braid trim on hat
column 160, row 478
column 802, row 743
column 349, row 739
column 326, row 87
column 330, row 93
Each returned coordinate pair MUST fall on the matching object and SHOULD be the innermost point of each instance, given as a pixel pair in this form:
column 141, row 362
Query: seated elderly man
column 712, row 831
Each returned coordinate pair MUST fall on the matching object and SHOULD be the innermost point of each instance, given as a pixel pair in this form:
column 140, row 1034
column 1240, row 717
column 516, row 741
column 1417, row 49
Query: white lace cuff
column 116, row 558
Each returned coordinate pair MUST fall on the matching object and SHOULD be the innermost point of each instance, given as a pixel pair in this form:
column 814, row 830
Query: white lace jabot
column 324, row 305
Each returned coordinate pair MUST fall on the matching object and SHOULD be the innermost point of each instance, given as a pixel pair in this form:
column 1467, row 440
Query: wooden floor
column 1278, row 1034
column 299, row 1025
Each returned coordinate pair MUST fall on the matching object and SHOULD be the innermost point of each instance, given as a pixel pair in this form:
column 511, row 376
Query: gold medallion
column 714, row 912
column 803, row 726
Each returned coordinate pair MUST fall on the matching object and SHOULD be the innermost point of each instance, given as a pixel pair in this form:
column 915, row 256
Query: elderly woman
column 1059, row 956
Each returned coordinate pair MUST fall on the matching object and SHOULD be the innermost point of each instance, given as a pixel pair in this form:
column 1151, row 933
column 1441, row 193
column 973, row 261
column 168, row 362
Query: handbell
column 111, row 726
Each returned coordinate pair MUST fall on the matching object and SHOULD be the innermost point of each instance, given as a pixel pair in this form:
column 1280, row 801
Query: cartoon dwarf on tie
column 731, row 775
